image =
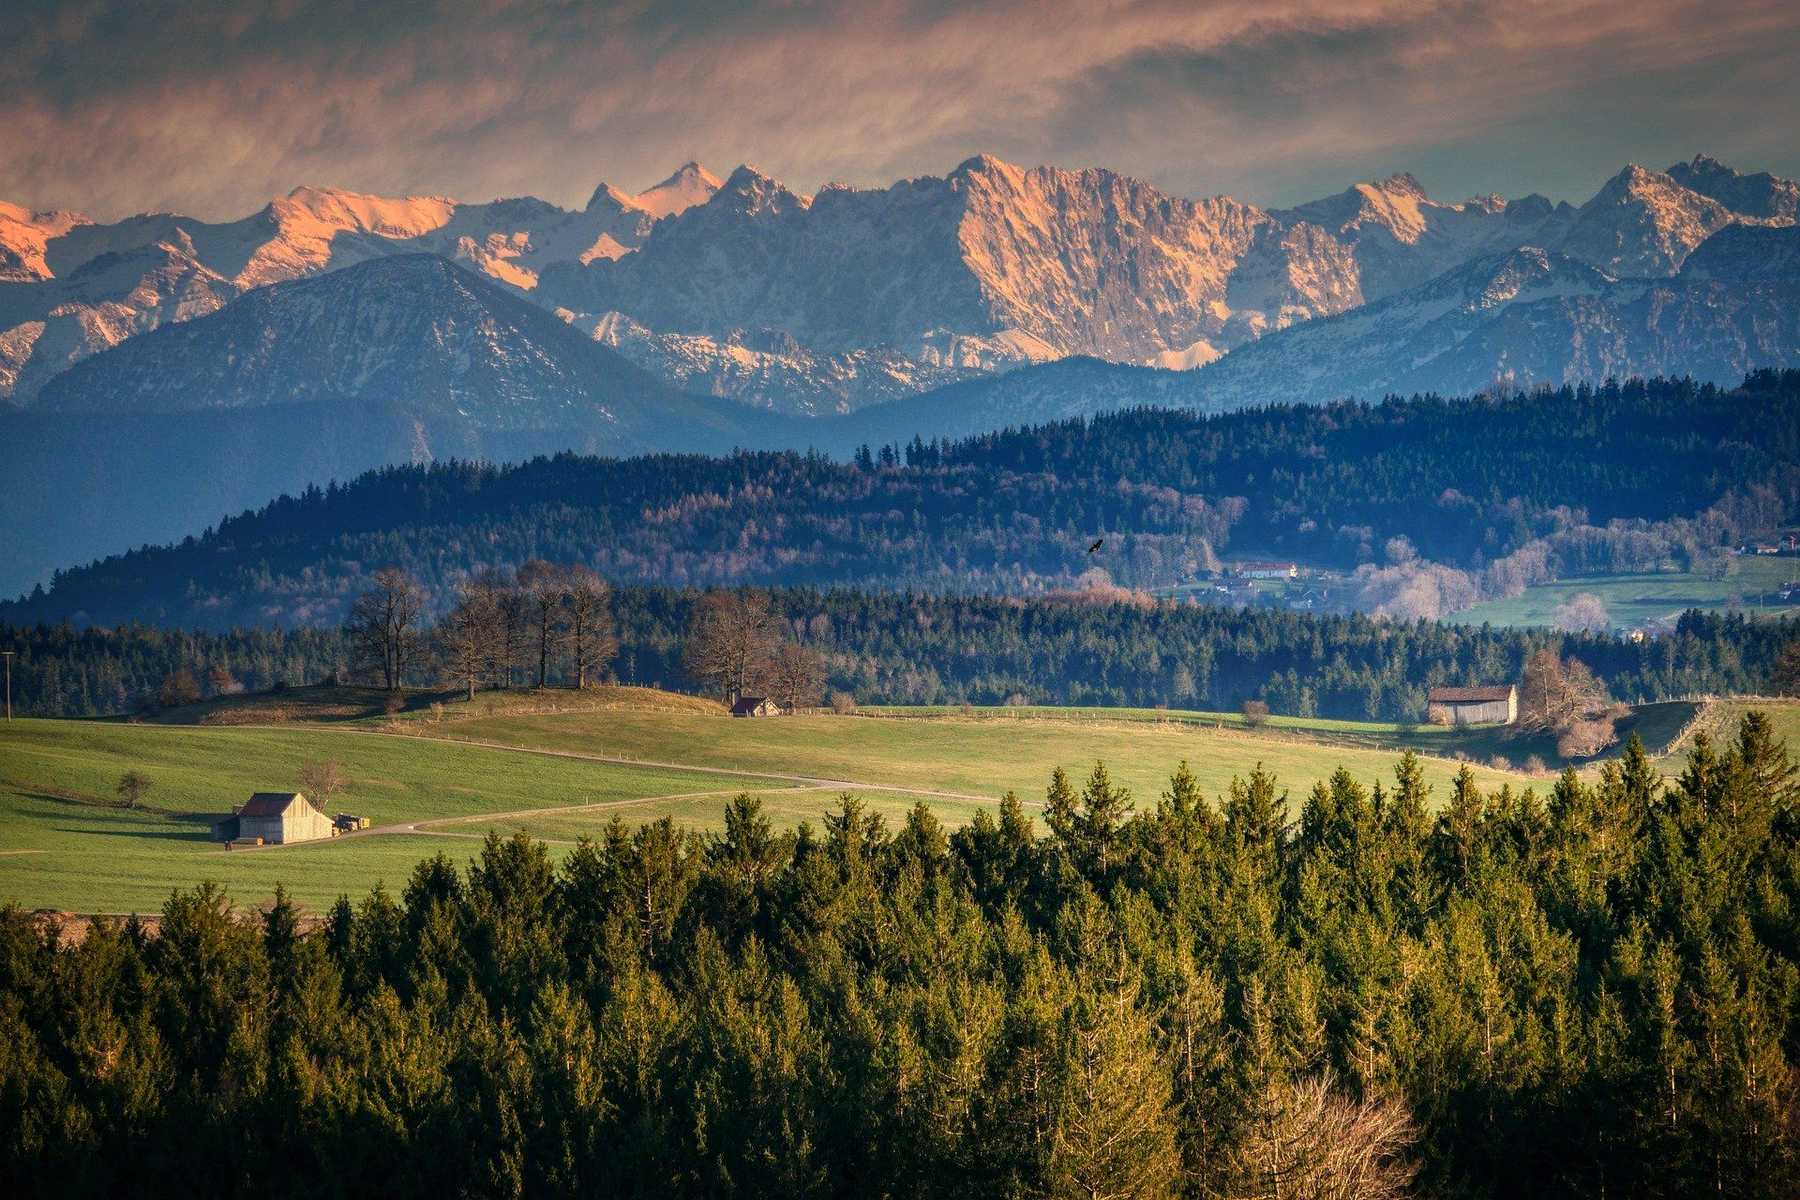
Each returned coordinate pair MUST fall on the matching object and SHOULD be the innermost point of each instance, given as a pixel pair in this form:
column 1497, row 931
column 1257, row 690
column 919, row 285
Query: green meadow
column 439, row 779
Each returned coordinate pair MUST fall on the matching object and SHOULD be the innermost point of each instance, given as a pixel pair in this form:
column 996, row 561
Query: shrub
column 178, row 687
column 131, row 789
column 1584, row 739
column 1256, row 713
column 1535, row 765
column 843, row 703
column 394, row 703
column 1437, row 714
column 1500, row 763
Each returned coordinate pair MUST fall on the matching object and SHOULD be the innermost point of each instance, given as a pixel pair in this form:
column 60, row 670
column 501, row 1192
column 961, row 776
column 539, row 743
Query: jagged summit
column 749, row 191
column 1762, row 195
column 690, row 184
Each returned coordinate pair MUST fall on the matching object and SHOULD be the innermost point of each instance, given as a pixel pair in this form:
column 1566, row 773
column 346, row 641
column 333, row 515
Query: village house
column 277, row 818
column 1497, row 705
column 1268, row 570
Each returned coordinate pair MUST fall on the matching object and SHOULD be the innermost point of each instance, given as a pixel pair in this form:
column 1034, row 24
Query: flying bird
column 1098, row 542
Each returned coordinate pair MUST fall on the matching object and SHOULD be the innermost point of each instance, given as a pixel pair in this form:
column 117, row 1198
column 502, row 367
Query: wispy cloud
column 213, row 106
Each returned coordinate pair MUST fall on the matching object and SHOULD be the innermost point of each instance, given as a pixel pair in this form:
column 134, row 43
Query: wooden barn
column 1497, row 705
column 280, row 817
column 755, row 706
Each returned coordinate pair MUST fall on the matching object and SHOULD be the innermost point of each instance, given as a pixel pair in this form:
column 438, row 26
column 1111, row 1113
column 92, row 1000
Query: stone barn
column 1473, row 705
column 280, row 817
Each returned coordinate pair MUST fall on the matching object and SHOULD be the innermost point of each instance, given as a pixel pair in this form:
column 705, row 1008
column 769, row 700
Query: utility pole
column 7, row 654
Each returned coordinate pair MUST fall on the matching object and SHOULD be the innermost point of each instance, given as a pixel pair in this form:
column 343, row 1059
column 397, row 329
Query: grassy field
column 1656, row 724
column 786, row 807
column 1722, row 721
column 447, row 775
column 1633, row 599
column 979, row 753
column 64, row 845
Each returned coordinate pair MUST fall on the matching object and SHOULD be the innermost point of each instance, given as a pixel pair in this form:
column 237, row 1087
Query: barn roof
column 269, row 804
column 1469, row 695
column 746, row 704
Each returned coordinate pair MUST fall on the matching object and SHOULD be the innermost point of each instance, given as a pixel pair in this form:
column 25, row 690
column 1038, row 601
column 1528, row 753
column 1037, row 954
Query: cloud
column 211, row 107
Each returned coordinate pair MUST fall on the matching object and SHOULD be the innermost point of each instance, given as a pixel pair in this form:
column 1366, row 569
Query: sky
column 212, row 107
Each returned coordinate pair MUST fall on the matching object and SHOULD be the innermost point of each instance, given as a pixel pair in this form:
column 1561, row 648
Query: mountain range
column 332, row 331
column 850, row 297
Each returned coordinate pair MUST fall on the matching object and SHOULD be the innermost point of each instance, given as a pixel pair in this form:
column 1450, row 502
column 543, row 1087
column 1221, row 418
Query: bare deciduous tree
column 133, row 786
column 1556, row 692
column 384, row 624
column 1309, row 1142
column 469, row 634
column 731, row 639
column 544, row 586
column 1583, row 612
column 796, row 675
column 322, row 779
column 588, row 618
column 512, row 625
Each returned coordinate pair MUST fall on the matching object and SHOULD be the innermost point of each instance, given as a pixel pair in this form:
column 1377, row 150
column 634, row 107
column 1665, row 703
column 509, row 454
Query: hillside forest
column 1428, row 506
column 1112, row 649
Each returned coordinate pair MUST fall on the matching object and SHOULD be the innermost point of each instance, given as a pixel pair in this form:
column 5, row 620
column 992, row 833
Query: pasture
column 440, row 775
column 1631, row 600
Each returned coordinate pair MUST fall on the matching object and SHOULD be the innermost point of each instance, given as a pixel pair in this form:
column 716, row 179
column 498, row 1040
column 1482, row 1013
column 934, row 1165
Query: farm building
column 1269, row 570
column 1474, row 705
column 279, row 817
column 755, row 706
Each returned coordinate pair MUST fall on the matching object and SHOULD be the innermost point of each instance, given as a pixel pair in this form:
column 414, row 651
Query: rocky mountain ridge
column 850, row 297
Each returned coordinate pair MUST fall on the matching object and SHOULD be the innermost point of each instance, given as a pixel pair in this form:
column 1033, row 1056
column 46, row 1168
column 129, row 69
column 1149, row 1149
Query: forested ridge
column 1590, row 992
column 886, row 647
column 1509, row 490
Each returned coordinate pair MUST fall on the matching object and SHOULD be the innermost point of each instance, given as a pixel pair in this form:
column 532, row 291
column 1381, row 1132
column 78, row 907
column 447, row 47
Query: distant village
column 1303, row 588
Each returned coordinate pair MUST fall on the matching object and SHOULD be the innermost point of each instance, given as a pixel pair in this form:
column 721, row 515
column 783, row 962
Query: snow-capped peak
column 24, row 234
column 691, row 184
column 1761, row 196
column 306, row 208
column 749, row 191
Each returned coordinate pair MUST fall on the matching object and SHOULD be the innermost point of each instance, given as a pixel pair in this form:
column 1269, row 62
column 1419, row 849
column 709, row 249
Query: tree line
column 885, row 647
column 1366, row 992
column 1493, row 493
column 556, row 619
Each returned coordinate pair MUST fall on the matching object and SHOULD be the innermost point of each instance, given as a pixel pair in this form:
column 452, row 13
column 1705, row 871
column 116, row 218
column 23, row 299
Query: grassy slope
column 1656, row 724
column 1634, row 599
column 950, row 752
column 1721, row 721
column 60, row 846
